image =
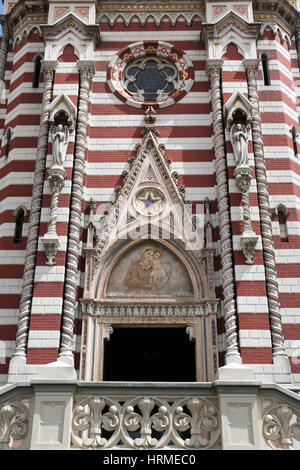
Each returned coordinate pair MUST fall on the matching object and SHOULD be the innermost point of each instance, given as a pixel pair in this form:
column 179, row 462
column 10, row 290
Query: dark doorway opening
column 149, row 355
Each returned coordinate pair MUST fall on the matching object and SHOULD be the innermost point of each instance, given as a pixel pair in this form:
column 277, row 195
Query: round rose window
column 150, row 74
column 150, row 77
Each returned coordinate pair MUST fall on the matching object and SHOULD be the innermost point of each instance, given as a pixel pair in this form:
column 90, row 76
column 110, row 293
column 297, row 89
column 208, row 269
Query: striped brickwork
column 185, row 128
column 252, row 306
column 279, row 111
column 16, row 176
column 44, row 334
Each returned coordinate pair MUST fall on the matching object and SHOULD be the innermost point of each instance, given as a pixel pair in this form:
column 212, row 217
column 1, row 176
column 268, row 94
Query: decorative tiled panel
column 84, row 11
column 241, row 9
column 60, row 11
column 217, row 10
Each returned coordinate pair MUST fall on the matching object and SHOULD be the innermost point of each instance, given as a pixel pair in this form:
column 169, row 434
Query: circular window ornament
column 150, row 74
column 149, row 201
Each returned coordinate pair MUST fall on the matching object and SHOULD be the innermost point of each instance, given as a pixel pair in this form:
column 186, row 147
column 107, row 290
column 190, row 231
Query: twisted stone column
column 35, row 212
column 230, row 313
column 265, row 218
column 4, row 46
column 86, row 70
column 297, row 41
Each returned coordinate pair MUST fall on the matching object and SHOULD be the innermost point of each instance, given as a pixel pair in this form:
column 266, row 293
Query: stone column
column 86, row 71
column 4, row 46
column 214, row 68
column 297, row 41
column 35, row 211
column 279, row 355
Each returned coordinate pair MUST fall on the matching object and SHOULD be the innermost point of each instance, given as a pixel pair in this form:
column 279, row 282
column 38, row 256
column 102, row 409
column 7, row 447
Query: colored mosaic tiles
column 217, row 10
column 84, row 11
column 60, row 11
column 241, row 9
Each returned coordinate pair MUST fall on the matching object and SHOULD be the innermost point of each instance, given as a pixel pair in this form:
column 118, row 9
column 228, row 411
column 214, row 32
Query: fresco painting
column 148, row 270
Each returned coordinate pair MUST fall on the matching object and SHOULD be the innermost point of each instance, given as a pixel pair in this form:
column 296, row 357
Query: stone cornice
column 189, row 10
column 194, row 308
column 89, row 30
column 282, row 13
column 26, row 14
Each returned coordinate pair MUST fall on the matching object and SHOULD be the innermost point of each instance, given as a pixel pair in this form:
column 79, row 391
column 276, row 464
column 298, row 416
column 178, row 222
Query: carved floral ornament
column 170, row 70
column 281, row 426
column 145, row 423
column 14, row 424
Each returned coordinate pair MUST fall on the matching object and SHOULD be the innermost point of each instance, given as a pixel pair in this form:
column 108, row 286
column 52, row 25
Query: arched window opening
column 8, row 142
column 265, row 67
column 19, row 225
column 37, row 72
column 294, row 133
column 282, row 220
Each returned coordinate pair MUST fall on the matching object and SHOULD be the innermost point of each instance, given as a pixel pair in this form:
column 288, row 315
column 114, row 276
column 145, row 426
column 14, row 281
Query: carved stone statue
column 60, row 139
column 239, row 141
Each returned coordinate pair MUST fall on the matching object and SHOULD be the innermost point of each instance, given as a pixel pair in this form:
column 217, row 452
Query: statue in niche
column 239, row 142
column 60, row 139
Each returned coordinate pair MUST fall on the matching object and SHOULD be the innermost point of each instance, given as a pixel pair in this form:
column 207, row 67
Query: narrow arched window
column 294, row 133
column 37, row 72
column 8, row 142
column 282, row 219
column 19, row 225
column 265, row 68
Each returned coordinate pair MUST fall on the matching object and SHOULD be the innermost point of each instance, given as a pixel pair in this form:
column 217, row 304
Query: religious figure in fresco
column 160, row 274
column 137, row 278
column 149, row 270
column 60, row 139
column 148, row 273
column 239, row 142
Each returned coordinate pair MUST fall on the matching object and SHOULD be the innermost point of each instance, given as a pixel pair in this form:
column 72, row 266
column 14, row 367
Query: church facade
column 150, row 225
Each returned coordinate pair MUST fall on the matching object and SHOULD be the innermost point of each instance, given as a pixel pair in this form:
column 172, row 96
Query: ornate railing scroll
column 281, row 427
column 145, row 423
column 14, row 424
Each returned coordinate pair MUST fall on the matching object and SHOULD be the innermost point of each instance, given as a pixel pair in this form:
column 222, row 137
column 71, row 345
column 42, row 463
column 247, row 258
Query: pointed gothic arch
column 189, row 281
column 150, row 280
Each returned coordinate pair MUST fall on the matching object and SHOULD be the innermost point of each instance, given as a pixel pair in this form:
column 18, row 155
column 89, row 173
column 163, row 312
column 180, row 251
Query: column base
column 56, row 370
column 235, row 372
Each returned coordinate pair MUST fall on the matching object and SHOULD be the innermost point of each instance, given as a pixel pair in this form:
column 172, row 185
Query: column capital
column 251, row 65
column 214, row 66
column 49, row 67
column 4, row 24
column 86, row 68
